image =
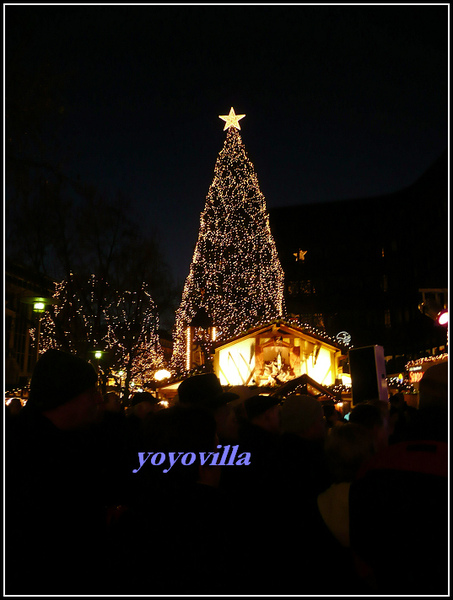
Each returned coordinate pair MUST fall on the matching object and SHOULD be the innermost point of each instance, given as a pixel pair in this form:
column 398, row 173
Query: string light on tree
column 132, row 335
column 235, row 274
column 89, row 315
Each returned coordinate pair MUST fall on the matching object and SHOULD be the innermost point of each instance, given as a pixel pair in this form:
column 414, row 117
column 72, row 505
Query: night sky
column 340, row 101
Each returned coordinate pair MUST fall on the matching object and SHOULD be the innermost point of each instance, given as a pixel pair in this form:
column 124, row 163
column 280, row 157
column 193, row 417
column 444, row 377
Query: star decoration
column 232, row 119
column 300, row 255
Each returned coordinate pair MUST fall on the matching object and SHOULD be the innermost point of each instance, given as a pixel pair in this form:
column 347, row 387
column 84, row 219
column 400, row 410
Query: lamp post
column 434, row 305
column 120, row 374
column 39, row 306
column 97, row 356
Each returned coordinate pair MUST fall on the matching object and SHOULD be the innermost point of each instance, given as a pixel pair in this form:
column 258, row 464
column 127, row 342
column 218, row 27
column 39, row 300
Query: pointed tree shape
column 235, row 273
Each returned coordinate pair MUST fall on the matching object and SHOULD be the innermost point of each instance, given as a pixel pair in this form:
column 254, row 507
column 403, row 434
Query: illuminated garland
column 235, row 273
column 426, row 359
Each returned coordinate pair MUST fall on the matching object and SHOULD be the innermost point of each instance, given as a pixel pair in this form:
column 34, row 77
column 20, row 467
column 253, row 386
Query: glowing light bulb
column 442, row 318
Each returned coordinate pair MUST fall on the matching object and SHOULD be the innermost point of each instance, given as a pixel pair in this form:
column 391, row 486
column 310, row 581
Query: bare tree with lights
column 89, row 316
column 235, row 275
column 133, row 339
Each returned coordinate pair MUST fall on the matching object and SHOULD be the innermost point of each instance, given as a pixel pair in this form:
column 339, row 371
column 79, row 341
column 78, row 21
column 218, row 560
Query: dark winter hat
column 57, row 378
column 257, row 405
column 205, row 391
column 143, row 397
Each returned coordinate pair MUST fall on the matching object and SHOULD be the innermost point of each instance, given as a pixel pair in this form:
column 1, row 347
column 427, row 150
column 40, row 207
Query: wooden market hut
column 276, row 353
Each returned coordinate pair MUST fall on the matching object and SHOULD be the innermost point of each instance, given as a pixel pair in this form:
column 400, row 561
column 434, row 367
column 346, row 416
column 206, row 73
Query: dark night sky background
column 340, row 101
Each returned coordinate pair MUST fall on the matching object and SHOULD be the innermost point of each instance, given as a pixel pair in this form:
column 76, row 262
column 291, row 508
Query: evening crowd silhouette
column 327, row 506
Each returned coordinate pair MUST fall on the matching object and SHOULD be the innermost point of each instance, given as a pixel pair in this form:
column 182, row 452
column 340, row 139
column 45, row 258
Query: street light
column 97, row 356
column 433, row 309
column 39, row 307
column 39, row 304
column 442, row 318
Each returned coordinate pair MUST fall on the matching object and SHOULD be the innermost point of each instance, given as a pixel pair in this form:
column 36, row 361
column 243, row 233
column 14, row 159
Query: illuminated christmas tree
column 235, row 275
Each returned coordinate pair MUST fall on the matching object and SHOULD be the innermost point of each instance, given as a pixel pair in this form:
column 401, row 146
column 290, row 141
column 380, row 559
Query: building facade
column 22, row 287
column 357, row 267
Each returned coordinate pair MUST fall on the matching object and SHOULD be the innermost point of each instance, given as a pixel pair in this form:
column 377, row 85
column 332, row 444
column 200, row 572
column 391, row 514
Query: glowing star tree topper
column 232, row 119
column 235, row 275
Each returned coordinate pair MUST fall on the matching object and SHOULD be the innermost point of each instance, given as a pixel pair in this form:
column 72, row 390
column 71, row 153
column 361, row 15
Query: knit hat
column 204, row 391
column 257, row 405
column 57, row 378
column 299, row 413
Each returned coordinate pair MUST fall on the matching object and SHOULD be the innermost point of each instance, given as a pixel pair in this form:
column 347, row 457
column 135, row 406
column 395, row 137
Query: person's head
column 374, row 417
column 397, row 401
column 226, row 422
column 264, row 411
column 433, row 388
column 347, row 448
column 433, row 403
column 112, row 402
column 304, row 416
column 14, row 407
column 143, row 404
column 205, row 391
column 63, row 389
column 332, row 415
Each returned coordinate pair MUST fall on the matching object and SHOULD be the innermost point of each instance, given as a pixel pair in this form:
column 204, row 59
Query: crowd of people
column 325, row 506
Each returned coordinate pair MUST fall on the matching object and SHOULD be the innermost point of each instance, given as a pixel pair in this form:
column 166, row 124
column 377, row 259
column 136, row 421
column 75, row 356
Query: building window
column 296, row 288
column 293, row 288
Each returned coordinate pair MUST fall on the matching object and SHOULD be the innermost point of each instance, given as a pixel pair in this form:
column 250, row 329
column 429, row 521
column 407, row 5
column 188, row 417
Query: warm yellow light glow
column 321, row 369
column 346, row 379
column 237, row 363
column 300, row 254
column 188, row 349
column 275, row 359
column 39, row 307
column 164, row 403
column 231, row 120
column 98, row 354
column 161, row 374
